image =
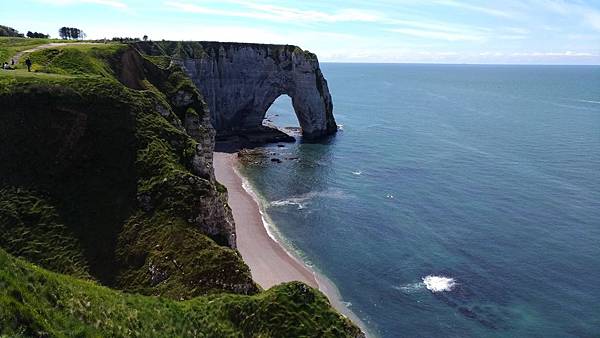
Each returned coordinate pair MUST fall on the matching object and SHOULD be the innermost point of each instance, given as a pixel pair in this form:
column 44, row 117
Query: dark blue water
column 488, row 176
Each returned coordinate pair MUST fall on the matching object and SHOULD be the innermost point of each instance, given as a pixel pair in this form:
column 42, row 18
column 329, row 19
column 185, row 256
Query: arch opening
column 281, row 115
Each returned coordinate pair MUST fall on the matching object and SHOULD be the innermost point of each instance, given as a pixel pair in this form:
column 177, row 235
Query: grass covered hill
column 106, row 180
column 36, row 302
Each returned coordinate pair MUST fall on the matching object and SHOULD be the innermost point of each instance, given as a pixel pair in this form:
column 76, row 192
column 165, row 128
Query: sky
column 434, row 31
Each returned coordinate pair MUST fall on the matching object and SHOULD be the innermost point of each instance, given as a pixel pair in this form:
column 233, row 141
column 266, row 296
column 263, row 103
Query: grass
column 25, row 219
column 76, row 59
column 36, row 302
column 179, row 262
column 9, row 46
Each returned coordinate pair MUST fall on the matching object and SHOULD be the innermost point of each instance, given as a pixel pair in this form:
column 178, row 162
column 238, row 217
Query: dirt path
column 17, row 57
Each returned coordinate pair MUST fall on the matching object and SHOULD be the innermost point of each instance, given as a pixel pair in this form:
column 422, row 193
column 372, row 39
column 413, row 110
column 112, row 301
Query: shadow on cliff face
column 80, row 153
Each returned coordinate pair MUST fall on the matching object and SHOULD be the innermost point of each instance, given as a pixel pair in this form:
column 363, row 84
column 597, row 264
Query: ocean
column 455, row 201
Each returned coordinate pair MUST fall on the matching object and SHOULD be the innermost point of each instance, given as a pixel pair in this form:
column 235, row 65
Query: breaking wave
column 589, row 101
column 303, row 200
column 438, row 283
column 297, row 202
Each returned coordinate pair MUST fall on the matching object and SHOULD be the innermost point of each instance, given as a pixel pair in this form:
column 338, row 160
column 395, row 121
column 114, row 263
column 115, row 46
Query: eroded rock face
column 214, row 218
column 241, row 81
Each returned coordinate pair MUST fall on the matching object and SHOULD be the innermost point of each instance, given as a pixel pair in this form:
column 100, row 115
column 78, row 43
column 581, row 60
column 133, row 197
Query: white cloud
column 491, row 54
column 592, row 18
column 389, row 55
column 437, row 30
column 587, row 14
column 480, row 9
column 512, row 37
column 227, row 33
column 565, row 53
column 438, row 35
column 516, row 30
column 109, row 3
column 412, row 55
column 278, row 13
column 287, row 13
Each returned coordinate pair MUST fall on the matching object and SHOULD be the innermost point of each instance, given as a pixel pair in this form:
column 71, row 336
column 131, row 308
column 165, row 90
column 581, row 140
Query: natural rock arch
column 240, row 82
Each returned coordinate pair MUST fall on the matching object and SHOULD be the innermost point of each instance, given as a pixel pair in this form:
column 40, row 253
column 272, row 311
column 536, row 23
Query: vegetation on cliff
column 106, row 178
column 9, row 46
column 36, row 302
column 110, row 160
column 197, row 49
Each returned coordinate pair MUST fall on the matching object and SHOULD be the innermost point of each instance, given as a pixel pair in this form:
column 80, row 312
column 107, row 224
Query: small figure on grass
column 28, row 63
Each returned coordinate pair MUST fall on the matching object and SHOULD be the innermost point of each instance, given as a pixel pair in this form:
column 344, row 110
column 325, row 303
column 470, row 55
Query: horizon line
column 464, row 64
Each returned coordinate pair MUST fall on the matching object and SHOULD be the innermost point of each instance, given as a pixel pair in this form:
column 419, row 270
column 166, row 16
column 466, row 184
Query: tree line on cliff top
column 11, row 32
column 66, row 33
column 8, row 31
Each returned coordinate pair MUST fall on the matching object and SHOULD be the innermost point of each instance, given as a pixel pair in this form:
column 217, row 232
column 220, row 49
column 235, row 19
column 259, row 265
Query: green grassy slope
column 96, row 148
column 9, row 46
column 36, row 302
column 31, row 227
column 92, row 59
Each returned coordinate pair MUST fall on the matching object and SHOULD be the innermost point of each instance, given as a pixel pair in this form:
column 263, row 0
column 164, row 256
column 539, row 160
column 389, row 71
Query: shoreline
column 269, row 261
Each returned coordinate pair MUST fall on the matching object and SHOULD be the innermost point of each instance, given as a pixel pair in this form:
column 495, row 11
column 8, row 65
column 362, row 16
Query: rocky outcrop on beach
column 240, row 81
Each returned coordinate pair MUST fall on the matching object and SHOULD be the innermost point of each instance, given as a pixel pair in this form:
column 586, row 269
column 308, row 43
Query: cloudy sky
column 446, row 31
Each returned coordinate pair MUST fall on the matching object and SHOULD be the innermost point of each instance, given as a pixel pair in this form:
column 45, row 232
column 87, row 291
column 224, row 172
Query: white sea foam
column 438, row 283
column 268, row 224
column 302, row 201
column 410, row 288
column 589, row 101
column 289, row 202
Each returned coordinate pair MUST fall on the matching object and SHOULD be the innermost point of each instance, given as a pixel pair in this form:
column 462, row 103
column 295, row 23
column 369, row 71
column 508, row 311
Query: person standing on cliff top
column 28, row 63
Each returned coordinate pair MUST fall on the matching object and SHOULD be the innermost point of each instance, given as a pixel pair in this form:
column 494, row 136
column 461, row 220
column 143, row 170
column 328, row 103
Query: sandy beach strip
column 269, row 262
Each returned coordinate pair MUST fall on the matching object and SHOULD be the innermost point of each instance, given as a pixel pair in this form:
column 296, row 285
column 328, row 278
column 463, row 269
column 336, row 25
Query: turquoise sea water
column 487, row 177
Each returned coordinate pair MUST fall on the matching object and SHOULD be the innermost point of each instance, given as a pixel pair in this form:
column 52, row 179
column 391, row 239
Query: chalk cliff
column 240, row 81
